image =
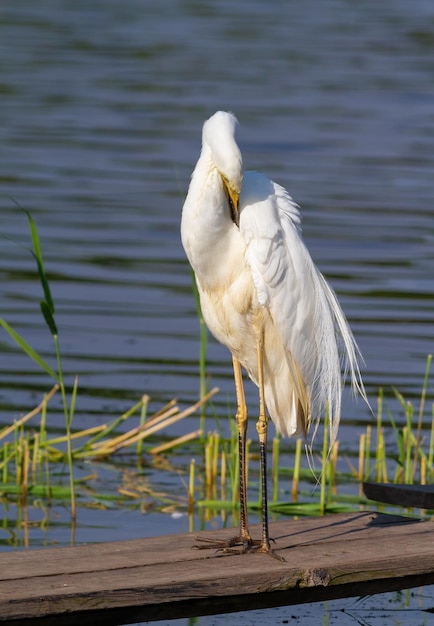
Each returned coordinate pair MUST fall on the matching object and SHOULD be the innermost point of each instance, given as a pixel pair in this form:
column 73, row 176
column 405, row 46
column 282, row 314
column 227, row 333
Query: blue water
column 101, row 107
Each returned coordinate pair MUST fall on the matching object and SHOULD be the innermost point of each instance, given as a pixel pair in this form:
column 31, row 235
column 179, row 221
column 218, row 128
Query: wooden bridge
column 163, row 578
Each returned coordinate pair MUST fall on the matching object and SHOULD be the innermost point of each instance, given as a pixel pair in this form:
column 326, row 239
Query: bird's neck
column 207, row 229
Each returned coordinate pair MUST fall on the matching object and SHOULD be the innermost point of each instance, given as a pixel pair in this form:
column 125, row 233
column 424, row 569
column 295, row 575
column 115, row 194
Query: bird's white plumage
column 256, row 277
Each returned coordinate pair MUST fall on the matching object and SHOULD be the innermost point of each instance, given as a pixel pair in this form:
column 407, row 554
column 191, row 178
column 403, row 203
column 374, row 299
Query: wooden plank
column 156, row 578
column 419, row 496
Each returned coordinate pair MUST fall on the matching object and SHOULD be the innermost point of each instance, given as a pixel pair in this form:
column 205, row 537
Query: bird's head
column 219, row 136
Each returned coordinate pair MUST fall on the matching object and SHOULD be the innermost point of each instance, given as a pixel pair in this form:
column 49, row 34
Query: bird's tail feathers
column 339, row 359
column 351, row 357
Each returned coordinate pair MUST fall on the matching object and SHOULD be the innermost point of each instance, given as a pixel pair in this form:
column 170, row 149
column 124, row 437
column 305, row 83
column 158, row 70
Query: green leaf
column 35, row 236
column 28, row 349
column 73, row 400
column 37, row 253
column 44, row 282
column 48, row 316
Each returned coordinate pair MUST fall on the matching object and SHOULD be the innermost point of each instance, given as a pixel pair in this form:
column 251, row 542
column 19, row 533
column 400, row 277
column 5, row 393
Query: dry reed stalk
column 153, row 422
column 223, row 476
column 78, row 435
column 191, row 486
column 166, row 419
column 362, row 445
column 367, row 469
column 208, row 473
column 421, row 412
column 129, row 494
column 275, row 467
column 161, row 411
column 35, row 456
column 132, row 435
column 25, row 476
column 176, row 442
column 423, row 471
column 4, row 433
column 215, row 462
column 296, row 473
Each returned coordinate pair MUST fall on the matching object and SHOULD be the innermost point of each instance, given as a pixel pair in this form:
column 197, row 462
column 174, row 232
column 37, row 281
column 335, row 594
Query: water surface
column 101, row 108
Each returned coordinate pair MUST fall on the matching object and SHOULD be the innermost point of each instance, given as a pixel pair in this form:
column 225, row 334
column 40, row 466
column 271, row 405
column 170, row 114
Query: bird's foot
column 267, row 549
column 237, row 545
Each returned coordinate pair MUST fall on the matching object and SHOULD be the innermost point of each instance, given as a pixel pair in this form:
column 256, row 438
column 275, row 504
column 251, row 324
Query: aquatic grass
column 48, row 311
column 28, row 454
column 157, row 422
column 275, row 463
column 421, row 413
column 32, row 450
column 143, row 409
column 22, row 343
column 431, row 444
column 325, row 460
column 411, row 459
column 328, row 502
column 381, row 459
column 95, row 447
column 28, row 457
column 296, row 472
column 40, row 408
column 408, row 442
column 411, row 448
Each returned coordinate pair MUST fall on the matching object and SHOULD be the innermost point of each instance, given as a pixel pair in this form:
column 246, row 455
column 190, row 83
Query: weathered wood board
column 163, row 577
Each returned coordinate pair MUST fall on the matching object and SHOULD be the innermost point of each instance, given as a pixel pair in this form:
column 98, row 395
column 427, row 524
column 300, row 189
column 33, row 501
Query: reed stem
column 275, row 467
column 325, row 451
column 421, row 412
column 296, row 473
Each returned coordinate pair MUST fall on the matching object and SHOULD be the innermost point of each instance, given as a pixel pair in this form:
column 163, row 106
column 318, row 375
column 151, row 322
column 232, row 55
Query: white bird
column 262, row 296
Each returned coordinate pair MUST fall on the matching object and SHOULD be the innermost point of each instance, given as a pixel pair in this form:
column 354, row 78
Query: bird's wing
column 304, row 310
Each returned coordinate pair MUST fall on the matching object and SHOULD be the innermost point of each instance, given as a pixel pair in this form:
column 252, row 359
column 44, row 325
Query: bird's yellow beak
column 233, row 197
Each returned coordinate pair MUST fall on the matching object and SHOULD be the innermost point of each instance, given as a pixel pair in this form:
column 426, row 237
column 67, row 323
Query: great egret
column 263, row 297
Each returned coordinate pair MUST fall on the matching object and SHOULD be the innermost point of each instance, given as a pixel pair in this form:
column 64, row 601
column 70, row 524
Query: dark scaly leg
column 241, row 418
column 262, row 428
column 244, row 538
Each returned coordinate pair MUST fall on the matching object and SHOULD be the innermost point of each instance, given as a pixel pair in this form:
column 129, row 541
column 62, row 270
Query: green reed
column 48, row 310
column 31, row 460
column 26, row 456
column 413, row 458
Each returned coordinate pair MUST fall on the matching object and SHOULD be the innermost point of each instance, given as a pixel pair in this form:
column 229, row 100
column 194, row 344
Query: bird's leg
column 241, row 417
column 262, row 428
column 243, row 538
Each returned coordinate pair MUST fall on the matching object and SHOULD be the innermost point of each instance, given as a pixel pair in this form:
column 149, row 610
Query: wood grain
column 163, row 577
